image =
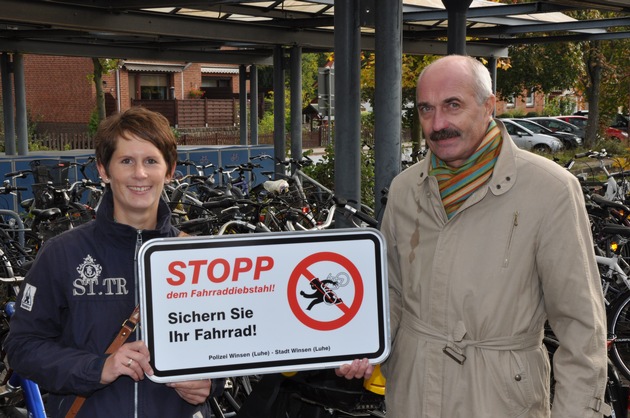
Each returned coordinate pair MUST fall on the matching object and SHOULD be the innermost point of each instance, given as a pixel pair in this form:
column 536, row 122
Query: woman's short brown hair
column 141, row 122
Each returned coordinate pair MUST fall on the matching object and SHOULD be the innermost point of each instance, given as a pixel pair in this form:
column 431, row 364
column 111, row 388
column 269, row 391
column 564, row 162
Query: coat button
column 517, row 377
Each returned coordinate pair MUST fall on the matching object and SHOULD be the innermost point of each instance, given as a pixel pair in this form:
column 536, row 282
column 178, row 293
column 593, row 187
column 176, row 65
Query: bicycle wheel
column 289, row 220
column 619, row 325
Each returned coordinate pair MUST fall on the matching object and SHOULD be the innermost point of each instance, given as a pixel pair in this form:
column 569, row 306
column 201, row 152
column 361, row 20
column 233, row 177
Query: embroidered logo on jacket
column 28, row 297
column 90, row 282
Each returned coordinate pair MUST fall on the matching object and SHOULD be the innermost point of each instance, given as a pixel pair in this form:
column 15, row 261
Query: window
column 149, row 86
column 217, row 87
column 530, row 99
column 511, row 101
column 213, row 82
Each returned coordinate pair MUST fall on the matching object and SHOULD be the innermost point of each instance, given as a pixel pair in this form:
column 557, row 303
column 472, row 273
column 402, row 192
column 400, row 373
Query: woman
column 83, row 286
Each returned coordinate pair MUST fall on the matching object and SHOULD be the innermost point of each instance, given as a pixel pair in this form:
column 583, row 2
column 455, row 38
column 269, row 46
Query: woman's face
column 137, row 173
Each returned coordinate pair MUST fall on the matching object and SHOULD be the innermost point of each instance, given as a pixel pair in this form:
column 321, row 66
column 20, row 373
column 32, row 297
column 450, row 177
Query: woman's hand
column 356, row 370
column 131, row 359
column 192, row 391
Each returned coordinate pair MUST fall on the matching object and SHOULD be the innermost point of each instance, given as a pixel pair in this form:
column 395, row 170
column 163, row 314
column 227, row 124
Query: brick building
column 527, row 103
column 60, row 93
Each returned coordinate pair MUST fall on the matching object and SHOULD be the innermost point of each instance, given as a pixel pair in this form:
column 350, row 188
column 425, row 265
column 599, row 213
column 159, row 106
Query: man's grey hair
column 482, row 84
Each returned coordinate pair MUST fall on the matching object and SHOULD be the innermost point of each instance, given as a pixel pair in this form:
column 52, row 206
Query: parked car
column 569, row 140
column 618, row 130
column 526, row 139
column 558, row 125
column 615, row 133
column 577, row 120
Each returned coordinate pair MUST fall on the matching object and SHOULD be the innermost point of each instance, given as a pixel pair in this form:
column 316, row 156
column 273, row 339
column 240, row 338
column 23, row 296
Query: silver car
column 526, row 139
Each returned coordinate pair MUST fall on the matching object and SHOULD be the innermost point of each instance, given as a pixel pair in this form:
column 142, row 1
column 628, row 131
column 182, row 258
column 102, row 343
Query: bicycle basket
column 46, row 198
column 55, row 171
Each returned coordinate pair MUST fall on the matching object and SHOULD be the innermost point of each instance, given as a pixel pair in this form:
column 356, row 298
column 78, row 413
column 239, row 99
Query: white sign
column 263, row 303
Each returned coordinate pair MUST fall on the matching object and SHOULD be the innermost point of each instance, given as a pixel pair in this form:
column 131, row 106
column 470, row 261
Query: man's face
column 453, row 122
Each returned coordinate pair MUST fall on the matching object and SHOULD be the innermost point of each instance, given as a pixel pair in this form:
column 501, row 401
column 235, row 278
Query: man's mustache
column 444, row 134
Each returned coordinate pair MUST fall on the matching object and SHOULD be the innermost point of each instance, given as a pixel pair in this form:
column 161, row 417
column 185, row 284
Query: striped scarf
column 457, row 184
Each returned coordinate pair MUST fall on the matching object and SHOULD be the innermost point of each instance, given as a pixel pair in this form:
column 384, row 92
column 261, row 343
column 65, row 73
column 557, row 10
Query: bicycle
column 614, row 190
column 19, row 397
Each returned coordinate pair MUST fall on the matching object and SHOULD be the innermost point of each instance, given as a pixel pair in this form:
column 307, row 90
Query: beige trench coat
column 469, row 296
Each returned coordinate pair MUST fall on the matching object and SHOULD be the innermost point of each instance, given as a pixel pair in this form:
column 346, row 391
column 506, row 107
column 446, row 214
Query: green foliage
column 367, row 121
column 94, row 122
column 539, row 67
column 324, row 172
column 105, row 65
column 559, row 105
column 31, row 130
column 266, row 124
column 35, row 145
column 613, row 147
column 310, row 68
column 515, row 113
column 412, row 66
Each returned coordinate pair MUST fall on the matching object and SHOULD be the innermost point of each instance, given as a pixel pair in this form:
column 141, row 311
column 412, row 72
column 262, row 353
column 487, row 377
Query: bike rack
column 20, row 230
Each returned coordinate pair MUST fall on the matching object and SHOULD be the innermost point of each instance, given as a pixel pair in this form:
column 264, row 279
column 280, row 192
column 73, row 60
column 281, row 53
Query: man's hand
column 192, row 391
column 356, row 370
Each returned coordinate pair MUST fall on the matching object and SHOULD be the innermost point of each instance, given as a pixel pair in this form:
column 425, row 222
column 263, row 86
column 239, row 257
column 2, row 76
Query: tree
column 598, row 69
column 538, row 67
column 310, row 64
column 102, row 66
column 412, row 66
column 606, row 77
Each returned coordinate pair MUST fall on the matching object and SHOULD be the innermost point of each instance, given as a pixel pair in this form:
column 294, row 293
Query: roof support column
column 253, row 103
column 456, row 31
column 21, row 127
column 242, row 98
column 387, row 96
column 296, row 102
column 278, row 106
column 7, row 104
column 347, row 135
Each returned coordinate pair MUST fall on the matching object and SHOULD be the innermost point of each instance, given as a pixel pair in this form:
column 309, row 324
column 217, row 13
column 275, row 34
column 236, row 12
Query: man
column 485, row 243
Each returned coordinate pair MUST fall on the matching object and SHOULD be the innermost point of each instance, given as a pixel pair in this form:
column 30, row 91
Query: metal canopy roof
column 245, row 32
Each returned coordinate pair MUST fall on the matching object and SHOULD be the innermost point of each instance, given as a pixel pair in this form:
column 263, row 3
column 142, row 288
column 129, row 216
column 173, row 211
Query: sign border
column 261, row 367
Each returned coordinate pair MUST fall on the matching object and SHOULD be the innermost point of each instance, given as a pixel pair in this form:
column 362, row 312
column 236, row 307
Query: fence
column 63, row 141
column 209, row 136
column 310, row 139
column 194, row 113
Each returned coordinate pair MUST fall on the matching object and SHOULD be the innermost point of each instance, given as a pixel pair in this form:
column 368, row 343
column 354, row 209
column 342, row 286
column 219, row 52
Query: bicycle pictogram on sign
column 341, row 291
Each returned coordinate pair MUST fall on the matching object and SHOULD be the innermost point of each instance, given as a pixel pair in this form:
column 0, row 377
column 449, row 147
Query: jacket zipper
column 506, row 259
column 135, row 273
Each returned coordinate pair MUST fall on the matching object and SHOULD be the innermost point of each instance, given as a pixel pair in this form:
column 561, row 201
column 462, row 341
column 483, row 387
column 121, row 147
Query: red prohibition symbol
column 301, row 271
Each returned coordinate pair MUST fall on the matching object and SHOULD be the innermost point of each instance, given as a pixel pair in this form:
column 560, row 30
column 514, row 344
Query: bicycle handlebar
column 343, row 203
column 18, row 174
column 593, row 154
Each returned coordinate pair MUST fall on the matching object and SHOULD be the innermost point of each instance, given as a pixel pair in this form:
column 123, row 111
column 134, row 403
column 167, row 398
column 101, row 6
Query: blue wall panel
column 217, row 155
